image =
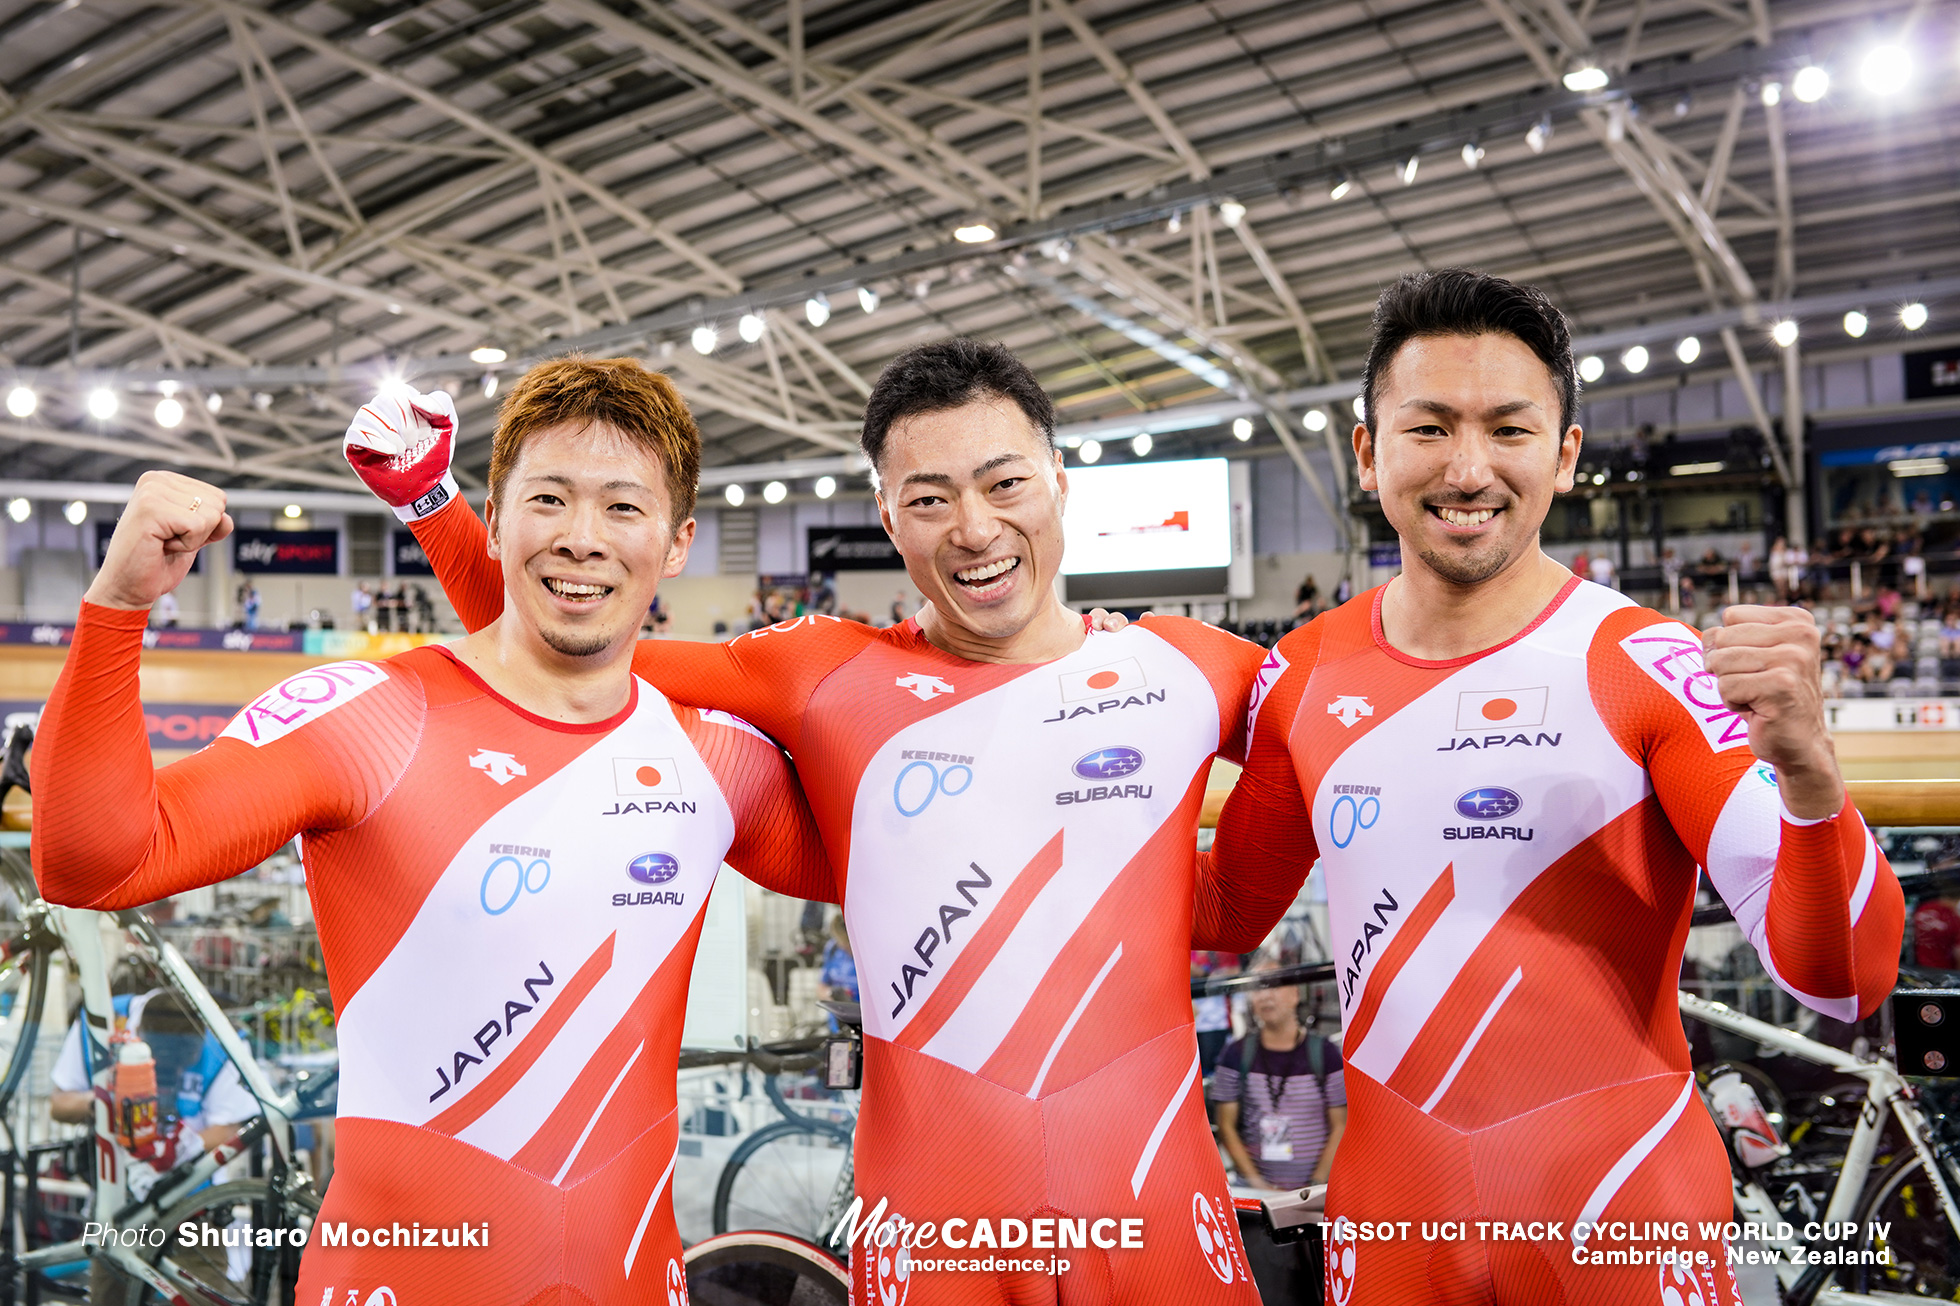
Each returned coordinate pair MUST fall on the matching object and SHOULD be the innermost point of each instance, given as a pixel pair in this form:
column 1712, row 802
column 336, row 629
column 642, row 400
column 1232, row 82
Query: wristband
column 431, row 503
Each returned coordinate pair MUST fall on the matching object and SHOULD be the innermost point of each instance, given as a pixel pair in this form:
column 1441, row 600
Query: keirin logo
column 676, row 1283
column 891, row 1275
column 1213, row 1239
column 1340, row 1263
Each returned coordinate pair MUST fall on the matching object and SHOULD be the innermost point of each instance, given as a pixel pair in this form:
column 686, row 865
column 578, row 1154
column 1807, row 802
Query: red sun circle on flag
column 1103, row 679
column 646, row 775
column 1499, row 708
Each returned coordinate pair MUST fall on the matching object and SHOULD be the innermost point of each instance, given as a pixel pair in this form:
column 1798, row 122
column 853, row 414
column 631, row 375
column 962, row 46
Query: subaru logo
column 1489, row 803
column 1110, row 764
column 654, row 868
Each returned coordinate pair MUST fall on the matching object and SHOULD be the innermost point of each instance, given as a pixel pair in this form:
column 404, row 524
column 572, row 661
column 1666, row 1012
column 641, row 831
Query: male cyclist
column 509, row 844
column 1511, row 776
column 1011, row 804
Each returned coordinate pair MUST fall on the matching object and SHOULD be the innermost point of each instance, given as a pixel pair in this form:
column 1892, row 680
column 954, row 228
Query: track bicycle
column 270, row 1213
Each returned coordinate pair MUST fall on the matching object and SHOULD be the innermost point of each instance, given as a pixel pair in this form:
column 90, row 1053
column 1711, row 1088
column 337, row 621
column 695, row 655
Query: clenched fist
column 1768, row 667
column 400, row 444
column 168, row 519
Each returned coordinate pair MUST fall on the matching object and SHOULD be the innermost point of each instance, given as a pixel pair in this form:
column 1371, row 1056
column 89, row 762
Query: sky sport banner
column 313, row 643
column 409, row 558
column 852, row 548
column 170, row 725
column 286, row 553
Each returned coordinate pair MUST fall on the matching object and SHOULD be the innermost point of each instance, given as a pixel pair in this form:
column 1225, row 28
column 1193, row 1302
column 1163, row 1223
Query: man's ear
column 677, row 550
column 1568, row 457
column 1061, row 480
column 490, row 520
column 1364, row 457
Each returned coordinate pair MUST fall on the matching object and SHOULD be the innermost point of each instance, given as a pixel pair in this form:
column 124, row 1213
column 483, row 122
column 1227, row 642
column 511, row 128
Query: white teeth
column 1457, row 517
column 975, row 575
column 574, row 590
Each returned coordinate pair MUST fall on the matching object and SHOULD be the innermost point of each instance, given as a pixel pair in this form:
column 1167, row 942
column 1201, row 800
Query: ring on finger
column 196, row 499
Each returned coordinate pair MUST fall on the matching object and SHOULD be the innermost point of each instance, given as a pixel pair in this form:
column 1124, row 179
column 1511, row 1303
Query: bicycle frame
column 1885, row 1092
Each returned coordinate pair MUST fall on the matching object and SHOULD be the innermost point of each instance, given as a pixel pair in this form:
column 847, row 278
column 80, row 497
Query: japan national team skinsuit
column 1510, row 841
column 508, row 908
column 1015, row 846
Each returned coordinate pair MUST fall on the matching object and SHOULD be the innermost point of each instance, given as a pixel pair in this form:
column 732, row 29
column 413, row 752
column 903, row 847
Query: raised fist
column 400, row 445
column 169, row 518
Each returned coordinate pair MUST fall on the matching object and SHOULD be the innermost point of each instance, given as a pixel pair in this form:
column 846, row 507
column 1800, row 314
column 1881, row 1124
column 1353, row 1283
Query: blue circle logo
column 1488, row 803
column 653, row 868
column 1349, row 818
column 919, row 783
column 1110, row 764
column 507, row 879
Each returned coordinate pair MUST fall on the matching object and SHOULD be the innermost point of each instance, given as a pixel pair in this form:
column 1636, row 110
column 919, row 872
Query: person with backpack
column 1280, row 1102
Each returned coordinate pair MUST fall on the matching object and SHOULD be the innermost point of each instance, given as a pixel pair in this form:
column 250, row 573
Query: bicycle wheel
column 244, row 1274
column 762, row 1269
column 781, row 1179
column 1925, row 1255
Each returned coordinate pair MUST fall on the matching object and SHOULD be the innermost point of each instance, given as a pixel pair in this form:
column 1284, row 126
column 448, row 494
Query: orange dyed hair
column 642, row 405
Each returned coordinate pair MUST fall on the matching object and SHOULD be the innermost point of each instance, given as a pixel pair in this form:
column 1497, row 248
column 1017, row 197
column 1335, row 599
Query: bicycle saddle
column 847, row 1013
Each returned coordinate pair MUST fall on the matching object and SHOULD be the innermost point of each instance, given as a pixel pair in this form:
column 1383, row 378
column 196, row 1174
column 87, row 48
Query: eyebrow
column 941, row 478
column 568, row 483
column 1442, row 409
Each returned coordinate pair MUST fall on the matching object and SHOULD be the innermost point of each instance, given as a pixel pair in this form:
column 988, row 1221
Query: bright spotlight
column 261, row 400
column 867, row 299
column 1635, row 359
column 1342, row 186
column 1409, row 169
column 978, row 233
column 169, row 413
column 1142, row 445
column 1885, row 69
column 1772, row 94
column 704, row 338
column 1315, row 420
column 489, row 385
column 775, row 492
column 293, row 511
column 734, row 494
column 1361, row 408
column 19, row 509
column 213, row 403
column 1811, row 84
column 1784, row 333
column 1174, row 223
column 1539, row 136
column 1473, row 154
column 1689, row 349
column 1856, row 324
column 102, row 403
column 1241, row 429
column 817, row 309
column 1591, row 368
column 1231, row 212
column 487, row 354
column 76, row 512
column 1586, row 77
column 21, row 402
column 826, row 486
column 750, row 327
column 1091, row 451
column 1913, row 316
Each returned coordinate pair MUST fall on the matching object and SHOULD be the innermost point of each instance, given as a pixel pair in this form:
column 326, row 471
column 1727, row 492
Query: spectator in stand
column 425, row 609
column 1214, row 1014
column 1581, row 564
column 1281, row 1101
column 1604, row 572
column 1888, row 602
column 248, row 603
column 1950, row 631
column 1745, row 560
column 898, row 610
column 363, row 604
column 838, row 972
column 1935, row 933
column 1779, row 569
column 1343, row 591
column 1306, row 601
column 164, row 611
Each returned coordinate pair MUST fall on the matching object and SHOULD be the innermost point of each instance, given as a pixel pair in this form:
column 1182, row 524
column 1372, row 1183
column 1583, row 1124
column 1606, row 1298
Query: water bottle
column 135, row 1096
column 1742, row 1116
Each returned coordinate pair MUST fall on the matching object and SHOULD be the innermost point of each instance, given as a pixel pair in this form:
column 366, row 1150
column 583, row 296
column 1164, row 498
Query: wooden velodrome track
column 1898, row 777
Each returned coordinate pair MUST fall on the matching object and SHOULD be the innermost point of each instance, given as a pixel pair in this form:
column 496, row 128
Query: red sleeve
column 766, row 676
column 1231, row 665
column 1264, row 846
column 776, row 840
column 111, row 831
column 458, row 548
column 1817, row 898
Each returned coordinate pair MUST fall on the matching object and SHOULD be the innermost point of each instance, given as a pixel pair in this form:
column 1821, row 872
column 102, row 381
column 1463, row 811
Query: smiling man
column 509, row 966
column 1011, row 803
column 1510, row 777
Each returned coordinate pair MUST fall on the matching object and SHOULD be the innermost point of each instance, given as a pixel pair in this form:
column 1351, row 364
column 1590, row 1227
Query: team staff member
column 1509, row 914
column 1011, row 804
column 509, row 846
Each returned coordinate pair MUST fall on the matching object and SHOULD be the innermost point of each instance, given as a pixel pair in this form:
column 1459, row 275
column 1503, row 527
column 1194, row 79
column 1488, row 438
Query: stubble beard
column 575, row 646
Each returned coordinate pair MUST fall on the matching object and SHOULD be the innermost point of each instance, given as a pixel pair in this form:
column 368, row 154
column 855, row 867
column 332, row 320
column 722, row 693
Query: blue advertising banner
column 409, row 558
column 286, row 553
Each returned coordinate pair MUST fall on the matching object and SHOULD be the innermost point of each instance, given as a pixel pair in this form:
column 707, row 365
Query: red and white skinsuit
column 1510, row 841
column 1015, row 848
column 508, row 909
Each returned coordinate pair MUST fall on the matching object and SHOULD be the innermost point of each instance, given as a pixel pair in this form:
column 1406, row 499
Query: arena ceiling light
column 734, row 494
column 1409, row 169
column 1539, row 136
column 1231, row 212
column 21, row 402
column 1784, row 333
column 1591, row 368
column 102, row 403
column 1361, row 408
column 1473, row 154
column 1689, row 349
column 1886, row 69
column 487, row 354
column 213, row 403
column 1241, row 429
column 19, row 509
column 1772, row 94
column 1175, row 223
column 169, row 413
column 1342, row 185
column 867, row 299
column 975, row 233
column 489, row 385
column 76, row 512
column 704, row 338
column 293, row 511
column 1913, row 316
column 1903, row 467
column 817, row 309
column 1694, row 469
column 775, row 492
column 1090, row 451
column 1635, row 359
column 1811, row 84
column 1142, row 445
column 825, row 486
column 1315, row 420
column 1586, row 77
column 1856, row 324
column 750, row 327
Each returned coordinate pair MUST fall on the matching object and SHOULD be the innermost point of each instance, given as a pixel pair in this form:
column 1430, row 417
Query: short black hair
column 945, row 374
column 1465, row 302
